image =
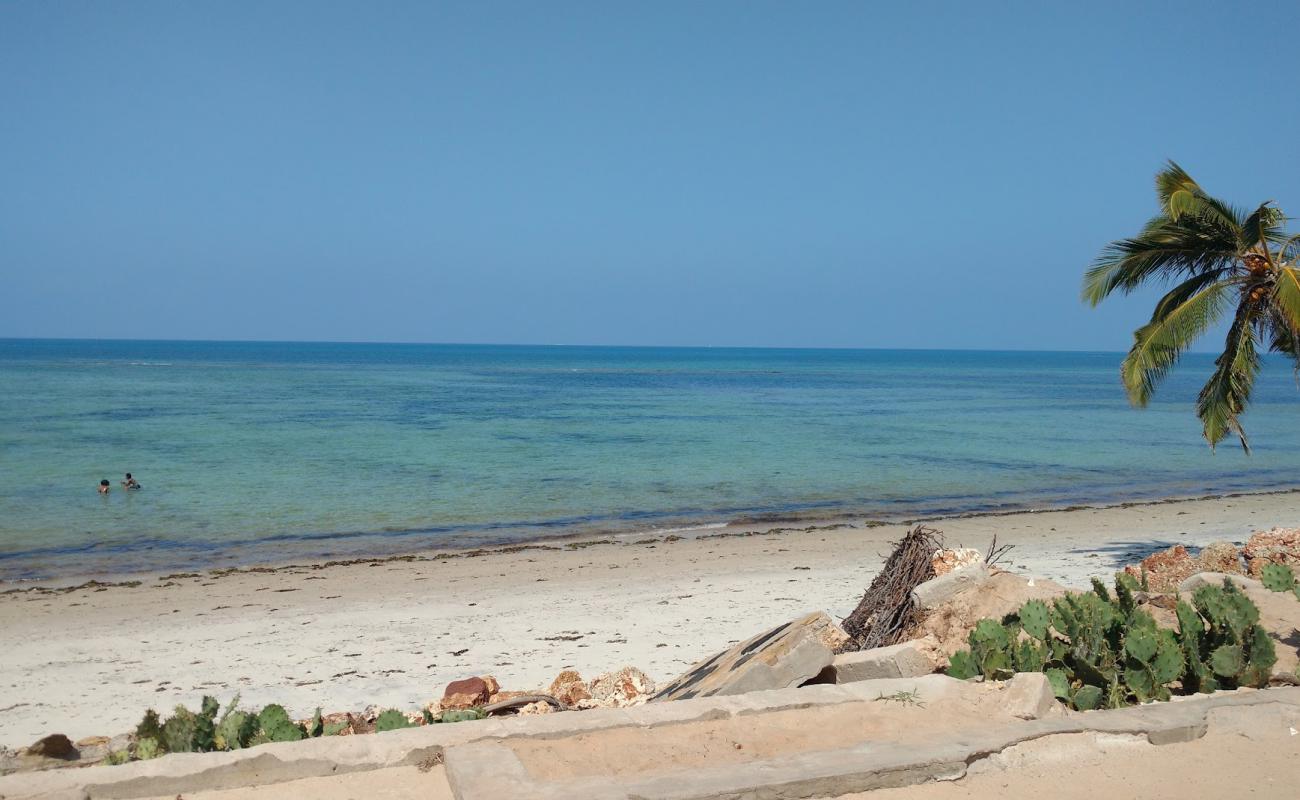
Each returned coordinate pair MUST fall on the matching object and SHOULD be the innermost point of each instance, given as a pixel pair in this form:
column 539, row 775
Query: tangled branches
column 886, row 611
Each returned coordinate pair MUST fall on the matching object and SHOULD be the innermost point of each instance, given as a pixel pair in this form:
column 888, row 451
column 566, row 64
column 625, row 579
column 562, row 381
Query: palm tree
column 1223, row 260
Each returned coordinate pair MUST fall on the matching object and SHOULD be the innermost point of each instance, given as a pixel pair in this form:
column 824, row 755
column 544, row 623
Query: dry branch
column 886, row 611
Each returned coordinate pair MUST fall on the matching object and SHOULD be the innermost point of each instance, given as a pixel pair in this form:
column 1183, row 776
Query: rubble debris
column 886, row 610
column 782, row 658
column 1275, row 546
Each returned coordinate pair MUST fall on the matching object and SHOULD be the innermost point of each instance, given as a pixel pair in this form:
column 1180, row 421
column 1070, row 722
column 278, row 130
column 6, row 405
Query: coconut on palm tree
column 1224, row 262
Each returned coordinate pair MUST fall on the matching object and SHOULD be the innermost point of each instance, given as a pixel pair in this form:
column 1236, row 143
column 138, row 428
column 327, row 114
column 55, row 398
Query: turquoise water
column 266, row 451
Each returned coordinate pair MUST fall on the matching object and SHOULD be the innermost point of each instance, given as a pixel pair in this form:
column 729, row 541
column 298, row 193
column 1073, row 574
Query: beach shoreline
column 393, row 632
column 749, row 524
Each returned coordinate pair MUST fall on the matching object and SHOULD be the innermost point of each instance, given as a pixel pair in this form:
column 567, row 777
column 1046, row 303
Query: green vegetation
column 1103, row 651
column 188, row 732
column 1223, row 260
column 1280, row 578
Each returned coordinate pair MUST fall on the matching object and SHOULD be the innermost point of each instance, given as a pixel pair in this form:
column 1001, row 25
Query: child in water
column 130, row 483
column 104, row 486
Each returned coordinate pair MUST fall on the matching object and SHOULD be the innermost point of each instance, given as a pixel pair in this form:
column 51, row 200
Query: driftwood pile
column 886, row 612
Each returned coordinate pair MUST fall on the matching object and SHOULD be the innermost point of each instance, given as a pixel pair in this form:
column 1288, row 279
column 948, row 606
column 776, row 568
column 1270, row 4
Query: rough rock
column 569, row 688
column 1166, row 569
column 909, row 659
column 936, row 591
column 626, row 687
column 782, row 658
column 1029, row 695
column 56, row 745
column 535, row 708
column 946, row 560
column 466, row 693
column 1220, row 557
column 1194, row 582
column 1276, row 546
column 1000, row 594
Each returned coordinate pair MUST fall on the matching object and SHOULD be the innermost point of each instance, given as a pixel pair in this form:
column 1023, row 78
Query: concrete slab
column 780, row 658
column 936, row 591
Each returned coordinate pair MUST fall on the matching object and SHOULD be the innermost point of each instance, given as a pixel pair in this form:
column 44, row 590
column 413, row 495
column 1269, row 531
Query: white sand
column 392, row 633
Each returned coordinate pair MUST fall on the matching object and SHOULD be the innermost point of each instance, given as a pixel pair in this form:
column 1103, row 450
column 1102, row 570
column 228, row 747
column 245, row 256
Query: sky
column 928, row 175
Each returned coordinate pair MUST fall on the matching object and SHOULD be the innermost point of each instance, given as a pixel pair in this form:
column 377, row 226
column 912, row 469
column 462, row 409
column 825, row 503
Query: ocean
column 266, row 452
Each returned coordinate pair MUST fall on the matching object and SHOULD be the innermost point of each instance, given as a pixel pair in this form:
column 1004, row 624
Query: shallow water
column 268, row 451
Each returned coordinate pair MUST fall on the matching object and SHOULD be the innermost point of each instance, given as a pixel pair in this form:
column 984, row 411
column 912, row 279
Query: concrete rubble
column 785, row 656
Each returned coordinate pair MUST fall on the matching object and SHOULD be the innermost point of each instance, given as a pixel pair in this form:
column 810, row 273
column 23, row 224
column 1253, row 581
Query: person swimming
column 130, row 483
column 104, row 486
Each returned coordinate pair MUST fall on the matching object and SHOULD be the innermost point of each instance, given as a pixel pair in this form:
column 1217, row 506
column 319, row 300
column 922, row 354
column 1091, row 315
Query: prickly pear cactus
column 391, row 720
column 463, row 715
column 274, row 725
column 962, row 666
column 1278, row 578
column 150, row 727
column 235, row 730
column 178, row 731
column 147, row 748
column 1035, row 619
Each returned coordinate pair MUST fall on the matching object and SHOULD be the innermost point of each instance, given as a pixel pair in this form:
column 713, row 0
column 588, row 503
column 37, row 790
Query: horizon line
column 565, row 345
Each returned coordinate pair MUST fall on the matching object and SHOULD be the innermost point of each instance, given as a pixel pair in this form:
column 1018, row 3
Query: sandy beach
column 393, row 632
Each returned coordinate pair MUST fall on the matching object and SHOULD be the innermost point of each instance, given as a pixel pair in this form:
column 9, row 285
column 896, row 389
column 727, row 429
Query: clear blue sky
column 720, row 173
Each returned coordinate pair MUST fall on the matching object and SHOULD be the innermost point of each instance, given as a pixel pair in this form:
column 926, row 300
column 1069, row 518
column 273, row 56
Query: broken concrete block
column 938, row 590
column 903, row 660
column 782, row 658
column 1029, row 695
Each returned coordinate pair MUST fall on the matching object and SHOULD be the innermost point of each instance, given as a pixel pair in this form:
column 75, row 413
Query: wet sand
column 393, row 632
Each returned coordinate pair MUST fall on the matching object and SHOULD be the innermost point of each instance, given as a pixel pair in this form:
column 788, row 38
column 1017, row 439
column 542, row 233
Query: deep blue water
column 268, row 451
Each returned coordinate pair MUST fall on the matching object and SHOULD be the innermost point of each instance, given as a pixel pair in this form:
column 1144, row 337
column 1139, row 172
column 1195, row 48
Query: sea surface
column 263, row 452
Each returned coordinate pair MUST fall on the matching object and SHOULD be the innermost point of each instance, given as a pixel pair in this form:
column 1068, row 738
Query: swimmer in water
column 104, row 486
column 130, row 483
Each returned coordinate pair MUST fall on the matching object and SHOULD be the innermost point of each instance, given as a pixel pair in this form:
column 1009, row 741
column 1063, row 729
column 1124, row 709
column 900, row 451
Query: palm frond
column 1181, row 317
column 1180, row 195
column 1224, row 397
column 1286, row 296
column 1189, row 246
column 1263, row 227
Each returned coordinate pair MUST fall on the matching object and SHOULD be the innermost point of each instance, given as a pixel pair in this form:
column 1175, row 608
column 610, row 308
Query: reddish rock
column 466, row 693
column 1219, row 557
column 1276, row 546
column 569, row 688
column 1166, row 569
column 946, row 560
column 499, row 696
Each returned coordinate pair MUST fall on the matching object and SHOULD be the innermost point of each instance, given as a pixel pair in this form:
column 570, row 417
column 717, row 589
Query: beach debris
column 520, row 700
column 469, row 692
column 1164, row 570
column 569, row 688
column 784, row 657
column 937, row 591
column 1275, row 546
column 1221, row 557
column 622, row 688
column 910, row 659
column 946, row 560
column 535, row 708
column 1029, row 695
column 886, row 610
column 56, row 745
